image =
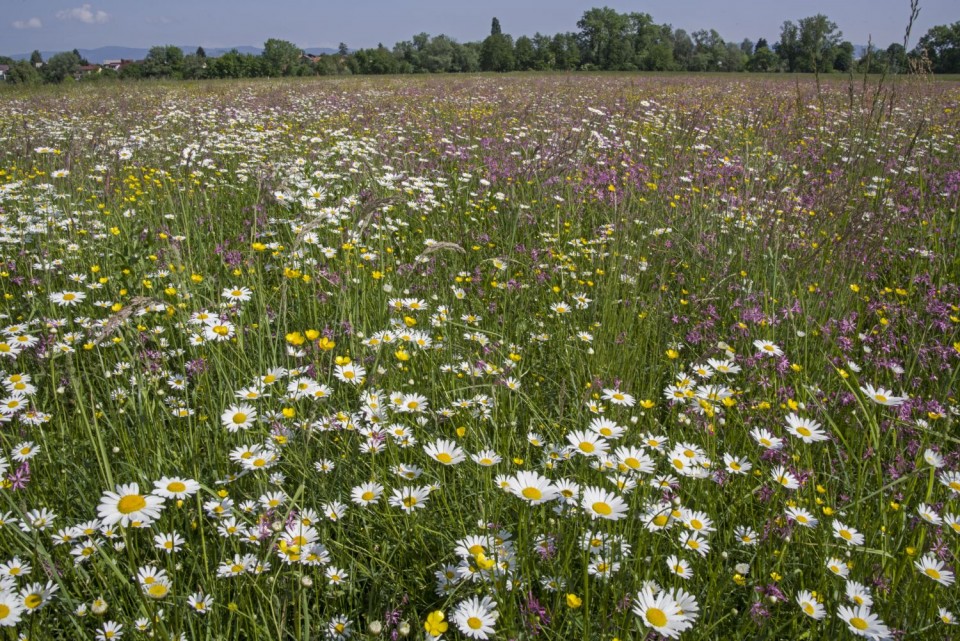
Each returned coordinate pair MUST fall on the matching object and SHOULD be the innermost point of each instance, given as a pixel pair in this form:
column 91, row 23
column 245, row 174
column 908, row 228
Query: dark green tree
column 496, row 52
column 566, row 51
column 709, row 51
column 36, row 58
column 818, row 39
column 132, row 71
column 280, row 57
column 682, row 49
column 61, row 66
column 438, row 55
column 843, row 57
column 734, row 59
column 896, row 58
column 543, row 53
column 788, row 47
column 524, row 54
column 194, row 67
column 23, row 72
column 201, row 53
column 163, row 62
column 376, row 61
column 467, row 57
column 941, row 46
column 604, row 39
column 763, row 60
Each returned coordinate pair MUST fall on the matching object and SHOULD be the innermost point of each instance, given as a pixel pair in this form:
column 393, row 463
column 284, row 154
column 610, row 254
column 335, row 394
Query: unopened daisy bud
column 306, row 581
column 403, row 629
column 374, row 628
column 99, row 606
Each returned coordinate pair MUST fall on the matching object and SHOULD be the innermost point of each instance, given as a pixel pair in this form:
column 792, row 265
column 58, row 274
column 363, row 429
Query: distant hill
column 100, row 54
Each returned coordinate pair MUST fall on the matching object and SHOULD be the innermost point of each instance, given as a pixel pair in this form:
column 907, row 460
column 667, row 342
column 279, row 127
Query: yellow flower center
column 602, row 508
column 69, row 296
column 176, row 486
column 656, row 617
column 4, row 611
column 587, row 447
column 410, row 501
column 859, row 623
column 880, row 398
column 845, row 534
column 532, row 493
column 367, row 496
column 33, row 601
column 474, row 623
column 221, row 330
column 131, row 503
column 239, row 417
column 808, row 608
column 660, row 520
column 444, row 458
column 933, row 573
column 158, row 590
column 803, row 431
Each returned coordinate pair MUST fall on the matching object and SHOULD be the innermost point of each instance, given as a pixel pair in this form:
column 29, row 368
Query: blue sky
column 64, row 24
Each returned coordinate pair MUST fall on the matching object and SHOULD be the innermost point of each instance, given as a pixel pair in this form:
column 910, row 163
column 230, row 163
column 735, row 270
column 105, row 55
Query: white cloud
column 84, row 13
column 32, row 23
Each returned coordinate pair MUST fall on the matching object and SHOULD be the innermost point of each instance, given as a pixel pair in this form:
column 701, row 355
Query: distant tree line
column 605, row 40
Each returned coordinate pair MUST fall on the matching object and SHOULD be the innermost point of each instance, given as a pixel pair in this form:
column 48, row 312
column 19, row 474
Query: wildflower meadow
column 521, row 357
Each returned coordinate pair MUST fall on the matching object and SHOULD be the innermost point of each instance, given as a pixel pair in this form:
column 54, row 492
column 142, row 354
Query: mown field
column 565, row 357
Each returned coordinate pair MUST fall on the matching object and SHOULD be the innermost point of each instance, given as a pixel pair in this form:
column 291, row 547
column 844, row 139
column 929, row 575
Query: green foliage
column 496, row 53
column 941, row 46
column 281, row 57
column 605, row 40
column 163, row 62
column 24, row 73
column 813, row 44
column 61, row 66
